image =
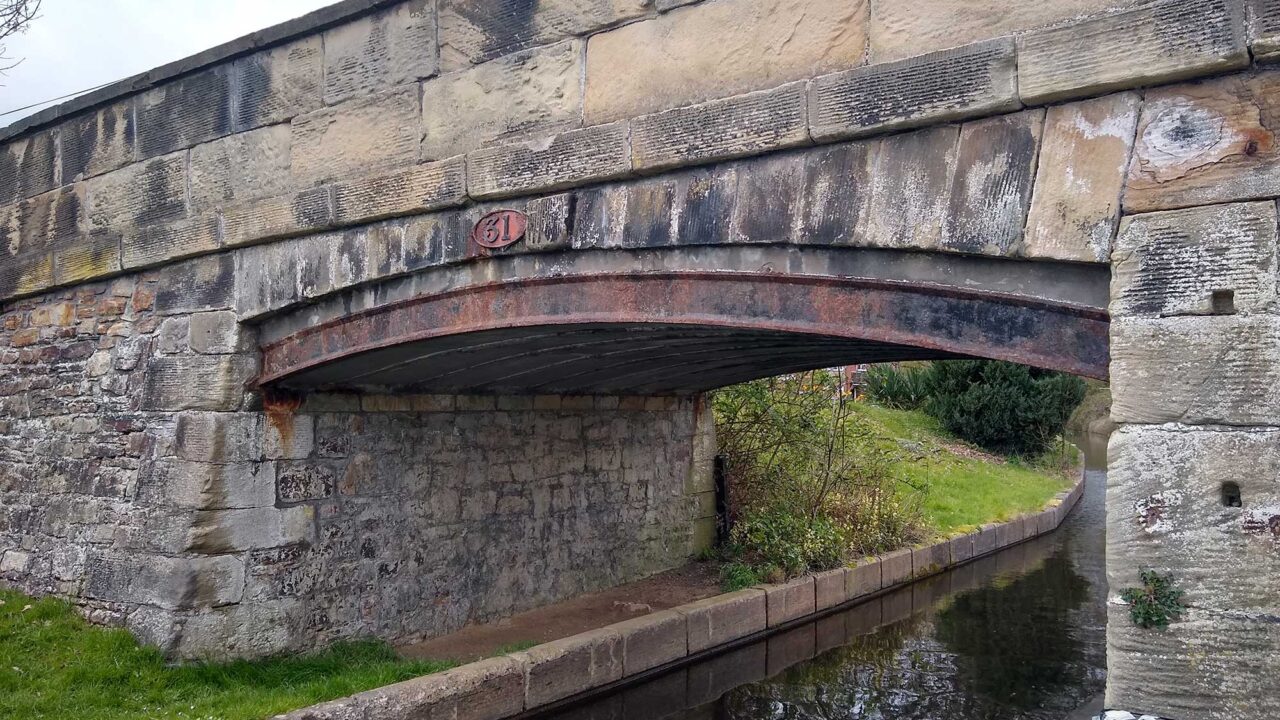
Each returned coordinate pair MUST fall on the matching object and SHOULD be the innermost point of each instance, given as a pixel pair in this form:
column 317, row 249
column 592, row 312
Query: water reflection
column 1016, row 635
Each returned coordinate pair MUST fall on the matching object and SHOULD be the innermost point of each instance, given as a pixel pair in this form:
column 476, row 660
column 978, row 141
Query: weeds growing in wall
column 1156, row 603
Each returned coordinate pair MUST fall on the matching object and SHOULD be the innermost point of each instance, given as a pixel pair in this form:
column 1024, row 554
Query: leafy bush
column 898, row 388
column 789, row 541
column 1156, row 602
column 1003, row 407
column 810, row 481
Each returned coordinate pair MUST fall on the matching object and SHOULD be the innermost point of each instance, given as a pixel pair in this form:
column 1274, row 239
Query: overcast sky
column 77, row 44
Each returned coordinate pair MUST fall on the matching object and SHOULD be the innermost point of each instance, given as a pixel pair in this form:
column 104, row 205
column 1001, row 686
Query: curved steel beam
column 946, row 320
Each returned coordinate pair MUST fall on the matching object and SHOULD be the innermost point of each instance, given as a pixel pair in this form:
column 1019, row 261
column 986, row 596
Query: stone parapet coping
column 633, row 650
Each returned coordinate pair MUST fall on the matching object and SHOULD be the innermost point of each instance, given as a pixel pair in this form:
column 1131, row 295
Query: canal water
column 1016, row 635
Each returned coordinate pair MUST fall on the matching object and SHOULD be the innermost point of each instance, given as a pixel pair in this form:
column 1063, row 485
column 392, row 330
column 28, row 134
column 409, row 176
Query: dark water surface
column 1019, row 634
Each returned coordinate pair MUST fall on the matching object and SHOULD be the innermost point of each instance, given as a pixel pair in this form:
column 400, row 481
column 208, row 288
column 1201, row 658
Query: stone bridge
column 273, row 373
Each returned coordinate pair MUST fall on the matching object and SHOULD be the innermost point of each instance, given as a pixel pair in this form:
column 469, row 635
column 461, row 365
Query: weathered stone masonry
column 164, row 501
column 159, row 233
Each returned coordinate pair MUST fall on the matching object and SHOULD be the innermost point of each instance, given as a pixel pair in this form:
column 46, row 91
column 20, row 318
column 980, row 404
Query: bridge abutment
column 147, row 483
column 1192, row 487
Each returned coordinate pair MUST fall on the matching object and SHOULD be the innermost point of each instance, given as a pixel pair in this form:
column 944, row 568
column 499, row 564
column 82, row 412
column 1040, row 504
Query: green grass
column 54, row 665
column 964, row 492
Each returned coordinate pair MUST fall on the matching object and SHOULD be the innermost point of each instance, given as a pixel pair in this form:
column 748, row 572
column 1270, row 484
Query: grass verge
column 55, row 665
column 967, row 487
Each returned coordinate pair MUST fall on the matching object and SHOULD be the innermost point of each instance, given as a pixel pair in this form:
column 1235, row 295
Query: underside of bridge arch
column 674, row 333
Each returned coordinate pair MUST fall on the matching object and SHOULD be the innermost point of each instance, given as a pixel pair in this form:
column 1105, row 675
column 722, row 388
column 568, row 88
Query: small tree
column 15, row 17
column 1000, row 406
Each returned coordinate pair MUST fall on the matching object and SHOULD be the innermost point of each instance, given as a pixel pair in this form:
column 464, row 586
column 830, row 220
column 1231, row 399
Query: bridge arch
column 684, row 331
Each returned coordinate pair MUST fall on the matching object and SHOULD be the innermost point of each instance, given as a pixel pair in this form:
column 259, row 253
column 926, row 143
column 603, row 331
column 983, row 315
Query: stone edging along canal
column 543, row 676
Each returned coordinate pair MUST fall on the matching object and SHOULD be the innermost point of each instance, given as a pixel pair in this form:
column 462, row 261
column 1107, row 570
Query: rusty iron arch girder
column 939, row 321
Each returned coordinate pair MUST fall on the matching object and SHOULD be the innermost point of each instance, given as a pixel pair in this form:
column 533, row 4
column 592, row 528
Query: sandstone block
column 184, row 112
column 753, row 51
column 429, row 186
column 274, row 85
column 484, row 690
column 1216, row 260
column 14, row 561
column 1236, row 670
column 1076, row 204
column 995, row 166
column 1046, row 521
column 228, row 531
column 206, row 486
column 979, row 79
column 205, row 382
column 984, row 542
column 1263, row 22
column 473, row 31
column 1158, row 43
column 577, row 157
column 25, row 275
column 283, row 215
column 216, row 437
column 911, row 187
column 172, row 583
column 200, row 284
column 538, row 90
column 1195, row 370
column 732, row 127
column 561, row 668
column 216, row 333
column 719, row 619
column 46, row 221
column 356, row 136
column 159, row 244
column 1204, row 143
column 962, row 548
column 137, row 195
column 28, row 167
column 374, row 52
column 97, row 142
column 768, row 198
column 242, row 630
column 905, row 28
column 91, row 256
column 895, row 567
column 652, row 640
column 930, row 559
column 830, row 588
column 240, row 167
column 1009, row 533
column 864, row 578
column 789, row 601
column 836, row 200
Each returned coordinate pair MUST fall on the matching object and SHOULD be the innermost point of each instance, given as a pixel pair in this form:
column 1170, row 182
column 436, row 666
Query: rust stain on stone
column 280, row 407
